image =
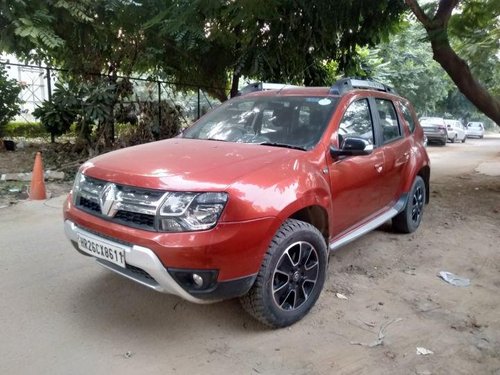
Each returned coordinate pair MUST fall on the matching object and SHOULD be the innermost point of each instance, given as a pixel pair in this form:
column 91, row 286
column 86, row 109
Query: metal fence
column 38, row 85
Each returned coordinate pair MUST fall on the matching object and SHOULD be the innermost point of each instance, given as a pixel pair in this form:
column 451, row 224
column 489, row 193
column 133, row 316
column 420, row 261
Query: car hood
column 181, row 164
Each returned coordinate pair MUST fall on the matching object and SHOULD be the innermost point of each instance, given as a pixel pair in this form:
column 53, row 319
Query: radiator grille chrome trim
column 132, row 206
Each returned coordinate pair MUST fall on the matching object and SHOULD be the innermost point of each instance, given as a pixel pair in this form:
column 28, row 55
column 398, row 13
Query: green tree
column 406, row 63
column 9, row 94
column 286, row 41
column 468, row 22
column 88, row 38
column 475, row 35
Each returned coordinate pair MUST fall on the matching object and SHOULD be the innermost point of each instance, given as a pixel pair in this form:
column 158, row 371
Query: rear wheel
column 465, row 138
column 408, row 220
column 291, row 277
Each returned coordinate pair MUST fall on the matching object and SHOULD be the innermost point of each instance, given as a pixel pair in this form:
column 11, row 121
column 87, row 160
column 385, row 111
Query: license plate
column 102, row 249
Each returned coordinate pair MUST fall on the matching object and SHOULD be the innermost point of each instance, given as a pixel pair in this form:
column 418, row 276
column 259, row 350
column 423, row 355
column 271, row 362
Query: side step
column 371, row 225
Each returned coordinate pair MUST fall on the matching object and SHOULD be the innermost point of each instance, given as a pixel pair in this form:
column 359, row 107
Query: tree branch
column 459, row 71
column 419, row 12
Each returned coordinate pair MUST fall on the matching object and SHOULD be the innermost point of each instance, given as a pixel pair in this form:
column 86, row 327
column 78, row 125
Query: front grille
column 142, row 220
column 88, row 205
column 132, row 206
column 140, row 271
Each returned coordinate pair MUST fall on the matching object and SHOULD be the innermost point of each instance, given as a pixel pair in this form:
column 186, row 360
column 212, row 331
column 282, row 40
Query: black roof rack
column 347, row 84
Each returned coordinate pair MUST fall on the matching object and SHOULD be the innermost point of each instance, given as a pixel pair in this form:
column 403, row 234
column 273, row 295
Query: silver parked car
column 434, row 129
column 475, row 129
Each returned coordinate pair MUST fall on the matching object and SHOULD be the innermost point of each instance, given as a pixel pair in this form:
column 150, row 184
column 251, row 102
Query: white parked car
column 456, row 131
column 475, row 129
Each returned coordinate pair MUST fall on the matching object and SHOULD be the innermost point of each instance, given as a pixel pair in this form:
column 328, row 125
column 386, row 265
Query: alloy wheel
column 417, row 204
column 295, row 276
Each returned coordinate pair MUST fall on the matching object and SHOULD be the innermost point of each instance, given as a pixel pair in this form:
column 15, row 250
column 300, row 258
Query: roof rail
column 347, row 84
column 262, row 86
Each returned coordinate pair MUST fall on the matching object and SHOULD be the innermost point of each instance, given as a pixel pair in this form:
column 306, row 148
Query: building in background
column 34, row 81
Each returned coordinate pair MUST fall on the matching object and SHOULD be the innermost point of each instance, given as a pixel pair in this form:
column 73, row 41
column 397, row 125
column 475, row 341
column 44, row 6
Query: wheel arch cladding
column 315, row 215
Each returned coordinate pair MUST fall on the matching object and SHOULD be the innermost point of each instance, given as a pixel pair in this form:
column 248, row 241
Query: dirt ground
column 56, row 157
column 395, row 300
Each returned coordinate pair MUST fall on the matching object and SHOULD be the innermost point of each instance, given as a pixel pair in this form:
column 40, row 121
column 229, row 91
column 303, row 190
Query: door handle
column 403, row 160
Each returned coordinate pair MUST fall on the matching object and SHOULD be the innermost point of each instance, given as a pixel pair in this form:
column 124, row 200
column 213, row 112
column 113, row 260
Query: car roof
column 432, row 120
column 340, row 88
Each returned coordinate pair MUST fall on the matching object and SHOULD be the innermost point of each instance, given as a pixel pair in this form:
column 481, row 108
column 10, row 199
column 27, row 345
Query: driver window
column 357, row 122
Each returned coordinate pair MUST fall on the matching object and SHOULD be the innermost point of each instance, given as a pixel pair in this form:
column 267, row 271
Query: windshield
column 296, row 122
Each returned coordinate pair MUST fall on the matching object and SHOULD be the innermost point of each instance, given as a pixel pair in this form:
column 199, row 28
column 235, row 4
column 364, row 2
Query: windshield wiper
column 276, row 144
column 213, row 139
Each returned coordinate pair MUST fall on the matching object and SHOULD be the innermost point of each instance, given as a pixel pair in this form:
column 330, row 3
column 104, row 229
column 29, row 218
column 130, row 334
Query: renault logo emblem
column 108, row 199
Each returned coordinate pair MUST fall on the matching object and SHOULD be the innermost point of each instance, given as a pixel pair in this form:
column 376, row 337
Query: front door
column 356, row 181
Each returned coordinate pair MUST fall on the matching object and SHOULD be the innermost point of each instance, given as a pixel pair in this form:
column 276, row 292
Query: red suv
column 249, row 200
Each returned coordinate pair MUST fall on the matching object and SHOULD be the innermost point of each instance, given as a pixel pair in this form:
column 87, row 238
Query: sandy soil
column 56, row 157
column 101, row 323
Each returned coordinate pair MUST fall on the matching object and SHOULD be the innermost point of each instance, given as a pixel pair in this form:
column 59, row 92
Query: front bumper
column 144, row 267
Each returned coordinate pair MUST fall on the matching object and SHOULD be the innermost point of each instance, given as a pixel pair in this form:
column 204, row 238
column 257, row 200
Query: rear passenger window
column 357, row 122
column 388, row 120
column 408, row 117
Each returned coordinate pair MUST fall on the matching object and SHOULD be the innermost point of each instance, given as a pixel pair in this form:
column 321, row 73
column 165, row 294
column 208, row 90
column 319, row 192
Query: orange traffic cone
column 37, row 189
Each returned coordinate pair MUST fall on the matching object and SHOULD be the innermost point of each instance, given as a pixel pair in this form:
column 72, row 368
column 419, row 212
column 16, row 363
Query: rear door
column 396, row 147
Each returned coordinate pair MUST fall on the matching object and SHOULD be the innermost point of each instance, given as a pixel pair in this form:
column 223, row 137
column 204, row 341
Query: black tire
column 291, row 277
column 443, row 143
column 465, row 138
column 408, row 220
column 454, row 139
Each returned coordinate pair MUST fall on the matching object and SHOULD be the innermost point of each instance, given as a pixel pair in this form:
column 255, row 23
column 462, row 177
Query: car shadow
column 110, row 302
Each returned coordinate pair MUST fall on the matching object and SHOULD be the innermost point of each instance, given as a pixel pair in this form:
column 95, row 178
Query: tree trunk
column 313, row 75
column 218, row 93
column 460, row 73
column 234, row 84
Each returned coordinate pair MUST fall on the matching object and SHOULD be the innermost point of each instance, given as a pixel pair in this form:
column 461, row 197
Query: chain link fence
column 150, row 100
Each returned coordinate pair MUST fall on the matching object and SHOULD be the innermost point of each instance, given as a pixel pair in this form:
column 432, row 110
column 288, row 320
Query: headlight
column 183, row 212
column 79, row 179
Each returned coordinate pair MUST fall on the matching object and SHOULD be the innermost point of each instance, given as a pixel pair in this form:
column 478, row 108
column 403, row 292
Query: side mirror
column 352, row 146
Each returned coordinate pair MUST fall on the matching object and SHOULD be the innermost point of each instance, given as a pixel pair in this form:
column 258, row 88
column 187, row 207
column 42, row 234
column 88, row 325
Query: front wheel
column 454, row 139
column 291, row 277
column 408, row 220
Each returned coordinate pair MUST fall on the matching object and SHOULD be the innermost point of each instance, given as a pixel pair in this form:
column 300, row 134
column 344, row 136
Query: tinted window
column 408, row 117
column 294, row 121
column 389, row 124
column 357, row 122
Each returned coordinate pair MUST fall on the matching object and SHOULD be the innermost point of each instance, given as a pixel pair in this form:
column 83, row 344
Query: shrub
column 25, row 129
column 58, row 114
